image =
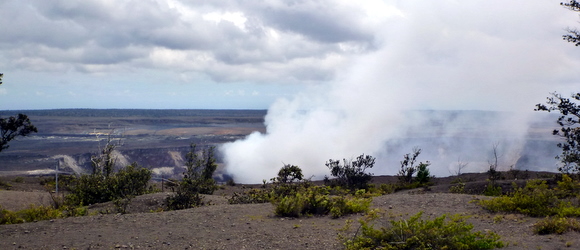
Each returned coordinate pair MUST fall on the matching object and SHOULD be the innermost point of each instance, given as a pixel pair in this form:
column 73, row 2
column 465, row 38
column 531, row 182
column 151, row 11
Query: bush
column 416, row 233
column 458, row 188
column 317, row 201
column 38, row 213
column 5, row 185
column 197, row 180
column 556, row 225
column 492, row 189
column 352, row 174
column 535, row 199
column 94, row 188
column 408, row 171
column 289, row 173
column 251, row 196
column 423, row 174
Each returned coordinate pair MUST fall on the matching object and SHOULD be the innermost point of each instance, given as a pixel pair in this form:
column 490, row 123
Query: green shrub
column 18, row 179
column 288, row 174
column 9, row 217
column 38, row 213
column 492, row 189
column 197, row 180
column 387, row 188
column 94, row 188
column 183, row 200
column 351, row 174
column 342, row 205
column 32, row 213
column 535, row 199
column 556, row 225
column 317, row 201
column 416, row 233
column 458, row 188
column 5, row 185
column 251, row 196
column 406, row 176
column 423, row 174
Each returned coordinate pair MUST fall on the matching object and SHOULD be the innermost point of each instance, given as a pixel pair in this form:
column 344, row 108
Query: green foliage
column 38, row 213
column 316, row 200
column 197, row 180
column 289, row 173
column 416, row 233
column 407, row 166
column 458, row 188
column 569, row 130
column 423, row 174
column 556, row 225
column 18, row 179
column 406, row 175
column 5, row 185
column 251, row 196
column 12, row 127
column 535, row 199
column 288, row 182
column 492, row 190
column 183, row 200
column 128, row 182
column 387, row 188
column 351, row 174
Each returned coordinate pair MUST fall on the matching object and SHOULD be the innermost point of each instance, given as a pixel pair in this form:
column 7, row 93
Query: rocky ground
column 252, row 226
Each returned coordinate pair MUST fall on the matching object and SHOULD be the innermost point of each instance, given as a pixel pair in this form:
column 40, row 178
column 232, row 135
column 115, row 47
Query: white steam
column 430, row 58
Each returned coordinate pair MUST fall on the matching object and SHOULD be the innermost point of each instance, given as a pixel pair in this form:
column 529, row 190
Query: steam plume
column 428, row 60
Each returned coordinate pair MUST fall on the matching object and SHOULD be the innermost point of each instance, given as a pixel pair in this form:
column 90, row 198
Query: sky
column 336, row 77
column 250, row 54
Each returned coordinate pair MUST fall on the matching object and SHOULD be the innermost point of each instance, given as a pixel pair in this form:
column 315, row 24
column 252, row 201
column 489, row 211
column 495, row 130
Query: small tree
column 423, row 174
column 407, row 166
column 289, row 173
column 408, row 170
column 351, row 174
column 197, row 179
column 12, row 127
column 569, row 122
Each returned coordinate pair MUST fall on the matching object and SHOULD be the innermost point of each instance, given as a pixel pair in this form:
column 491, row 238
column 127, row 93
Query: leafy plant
column 409, row 169
column 416, row 233
column 556, row 225
column 317, row 201
column 423, row 174
column 492, row 190
column 94, row 188
column 351, row 174
column 197, row 180
column 458, row 188
column 568, row 121
column 289, row 173
column 251, row 196
column 535, row 199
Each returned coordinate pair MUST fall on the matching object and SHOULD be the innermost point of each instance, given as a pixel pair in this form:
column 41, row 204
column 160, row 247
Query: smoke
column 422, row 87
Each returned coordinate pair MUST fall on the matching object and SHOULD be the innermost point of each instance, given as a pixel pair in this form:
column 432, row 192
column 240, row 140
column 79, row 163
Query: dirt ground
column 250, row 226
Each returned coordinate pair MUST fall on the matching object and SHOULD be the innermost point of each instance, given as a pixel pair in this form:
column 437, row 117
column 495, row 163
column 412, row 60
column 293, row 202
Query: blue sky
column 249, row 54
